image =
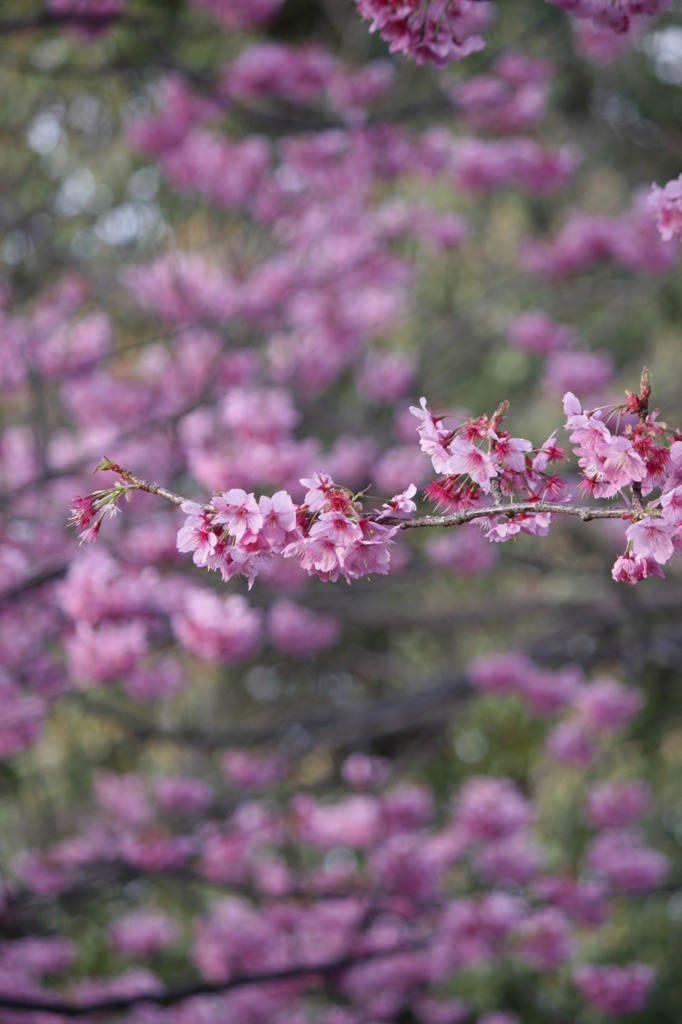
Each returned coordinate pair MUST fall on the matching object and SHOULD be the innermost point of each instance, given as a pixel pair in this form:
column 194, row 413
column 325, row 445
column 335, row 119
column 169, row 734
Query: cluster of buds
column 88, row 512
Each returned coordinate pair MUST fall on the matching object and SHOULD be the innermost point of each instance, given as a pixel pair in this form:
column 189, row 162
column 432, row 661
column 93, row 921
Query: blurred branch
column 171, row 996
column 372, row 719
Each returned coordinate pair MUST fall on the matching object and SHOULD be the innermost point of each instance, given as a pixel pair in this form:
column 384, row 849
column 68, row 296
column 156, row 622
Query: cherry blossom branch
column 171, row 996
column 584, row 512
column 135, row 483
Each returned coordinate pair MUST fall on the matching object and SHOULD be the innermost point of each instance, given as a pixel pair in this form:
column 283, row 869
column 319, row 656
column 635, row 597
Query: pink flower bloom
column 335, row 527
column 465, row 457
column 614, row 804
column 238, row 511
column 353, row 821
column 549, row 452
column 37, row 956
column 197, row 534
column 590, row 372
column 511, row 452
column 463, row 551
column 491, row 808
column 536, row 332
column 569, row 743
column 615, row 990
column 582, row 901
column 143, row 933
column 298, row 631
column 243, row 769
column 629, row 568
column 652, row 539
column 605, row 704
column 181, row 793
column 21, row 718
column 319, row 486
column 279, row 518
column 625, row 862
column 101, row 654
column 536, row 524
column 430, row 424
column 671, row 503
column 500, row 672
column 371, row 553
column 247, row 557
column 82, row 511
column 234, row 14
column 364, row 772
column 432, row 436
column 401, row 504
column 386, row 376
column 667, row 205
column 441, row 1011
column 437, row 32
column 217, row 628
column 545, row 692
column 544, row 939
column 512, row 860
column 318, row 556
column 621, row 465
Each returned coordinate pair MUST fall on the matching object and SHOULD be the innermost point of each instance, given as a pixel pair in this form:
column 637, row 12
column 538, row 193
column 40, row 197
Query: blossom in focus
column 652, row 539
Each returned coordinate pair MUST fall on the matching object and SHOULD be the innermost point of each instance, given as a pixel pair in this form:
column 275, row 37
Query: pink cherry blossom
column 217, row 628
column 279, row 518
column 614, row 804
column 652, row 539
column 622, row 858
column 299, row 632
column 238, row 511
column 465, row 457
column 544, row 938
column 143, row 933
column 612, row 989
column 605, row 704
column 667, row 206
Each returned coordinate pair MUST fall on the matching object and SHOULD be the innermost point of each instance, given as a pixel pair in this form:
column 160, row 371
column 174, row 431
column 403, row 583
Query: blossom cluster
column 441, row 31
column 328, row 534
column 375, row 878
column 478, row 457
column 644, row 458
column 432, row 31
column 477, row 461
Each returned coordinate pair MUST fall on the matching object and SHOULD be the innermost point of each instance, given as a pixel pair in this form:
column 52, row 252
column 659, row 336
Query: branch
column 584, row 512
column 380, row 717
column 135, row 483
column 49, row 19
column 171, row 996
column 466, row 515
